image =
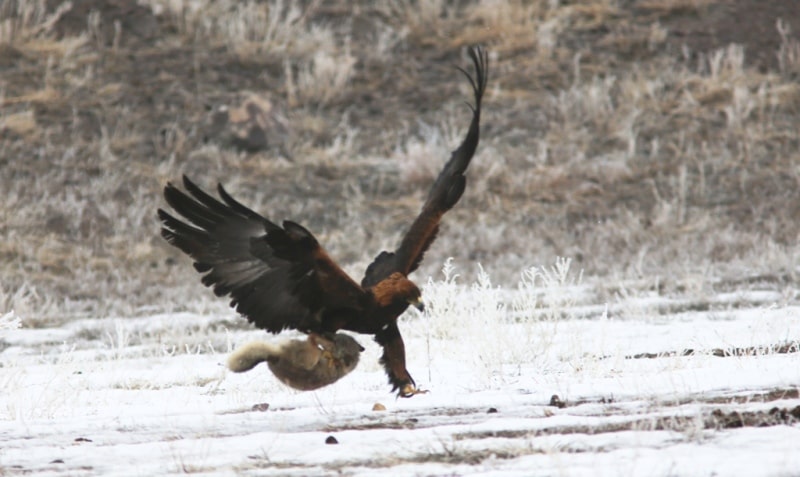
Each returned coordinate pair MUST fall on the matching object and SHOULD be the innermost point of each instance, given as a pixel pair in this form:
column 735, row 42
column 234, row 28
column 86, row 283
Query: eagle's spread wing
column 277, row 277
column 444, row 194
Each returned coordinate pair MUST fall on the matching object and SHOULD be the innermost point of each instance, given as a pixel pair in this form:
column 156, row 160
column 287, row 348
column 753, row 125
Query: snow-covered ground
column 149, row 395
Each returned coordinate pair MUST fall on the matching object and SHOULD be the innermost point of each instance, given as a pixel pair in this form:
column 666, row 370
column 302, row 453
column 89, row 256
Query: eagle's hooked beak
column 417, row 303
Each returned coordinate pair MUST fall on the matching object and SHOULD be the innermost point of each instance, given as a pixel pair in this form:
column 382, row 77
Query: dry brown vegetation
column 655, row 142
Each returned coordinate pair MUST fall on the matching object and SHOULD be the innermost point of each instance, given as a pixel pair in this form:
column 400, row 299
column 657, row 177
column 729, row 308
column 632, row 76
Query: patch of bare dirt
column 715, row 419
column 732, row 398
column 120, row 23
column 781, row 348
column 600, row 140
column 752, row 24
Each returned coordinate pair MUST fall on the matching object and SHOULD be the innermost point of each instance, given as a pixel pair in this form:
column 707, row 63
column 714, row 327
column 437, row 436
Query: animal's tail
column 249, row 355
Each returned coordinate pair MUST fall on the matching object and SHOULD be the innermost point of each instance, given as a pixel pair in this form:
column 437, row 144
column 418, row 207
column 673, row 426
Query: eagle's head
column 397, row 290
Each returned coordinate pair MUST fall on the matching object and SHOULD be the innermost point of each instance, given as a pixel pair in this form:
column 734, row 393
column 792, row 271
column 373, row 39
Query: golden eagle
column 278, row 276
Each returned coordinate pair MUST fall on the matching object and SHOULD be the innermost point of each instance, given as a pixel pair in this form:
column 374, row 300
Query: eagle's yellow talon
column 410, row 390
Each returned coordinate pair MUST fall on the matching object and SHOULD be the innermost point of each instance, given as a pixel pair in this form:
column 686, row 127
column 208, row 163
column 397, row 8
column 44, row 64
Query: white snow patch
column 150, row 396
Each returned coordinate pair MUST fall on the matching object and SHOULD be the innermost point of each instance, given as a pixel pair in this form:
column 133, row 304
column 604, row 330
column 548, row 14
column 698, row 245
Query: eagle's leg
column 394, row 361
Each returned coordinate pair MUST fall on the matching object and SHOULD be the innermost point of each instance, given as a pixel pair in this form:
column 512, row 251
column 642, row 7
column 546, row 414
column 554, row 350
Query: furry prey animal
column 307, row 364
column 279, row 276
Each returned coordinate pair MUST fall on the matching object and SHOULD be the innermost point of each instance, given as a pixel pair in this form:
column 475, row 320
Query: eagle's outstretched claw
column 409, row 390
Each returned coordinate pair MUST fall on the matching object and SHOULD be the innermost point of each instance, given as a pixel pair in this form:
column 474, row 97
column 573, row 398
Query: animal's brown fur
column 301, row 364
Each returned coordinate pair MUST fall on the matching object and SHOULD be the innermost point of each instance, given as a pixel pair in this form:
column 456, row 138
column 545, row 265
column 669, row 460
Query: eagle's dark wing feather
column 445, row 192
column 277, row 277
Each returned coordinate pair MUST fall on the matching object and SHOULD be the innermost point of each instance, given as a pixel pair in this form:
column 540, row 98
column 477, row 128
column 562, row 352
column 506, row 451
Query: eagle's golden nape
column 279, row 276
column 304, row 365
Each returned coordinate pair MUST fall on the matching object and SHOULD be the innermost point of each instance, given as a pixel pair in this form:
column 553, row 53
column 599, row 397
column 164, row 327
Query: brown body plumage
column 307, row 364
column 280, row 277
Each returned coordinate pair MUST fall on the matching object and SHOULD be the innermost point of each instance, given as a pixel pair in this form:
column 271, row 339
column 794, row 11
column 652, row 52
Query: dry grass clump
column 607, row 138
column 24, row 22
column 789, row 52
column 248, row 27
column 321, row 79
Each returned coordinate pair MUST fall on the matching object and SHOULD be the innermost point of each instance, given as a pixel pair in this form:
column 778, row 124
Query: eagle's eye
column 417, row 303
